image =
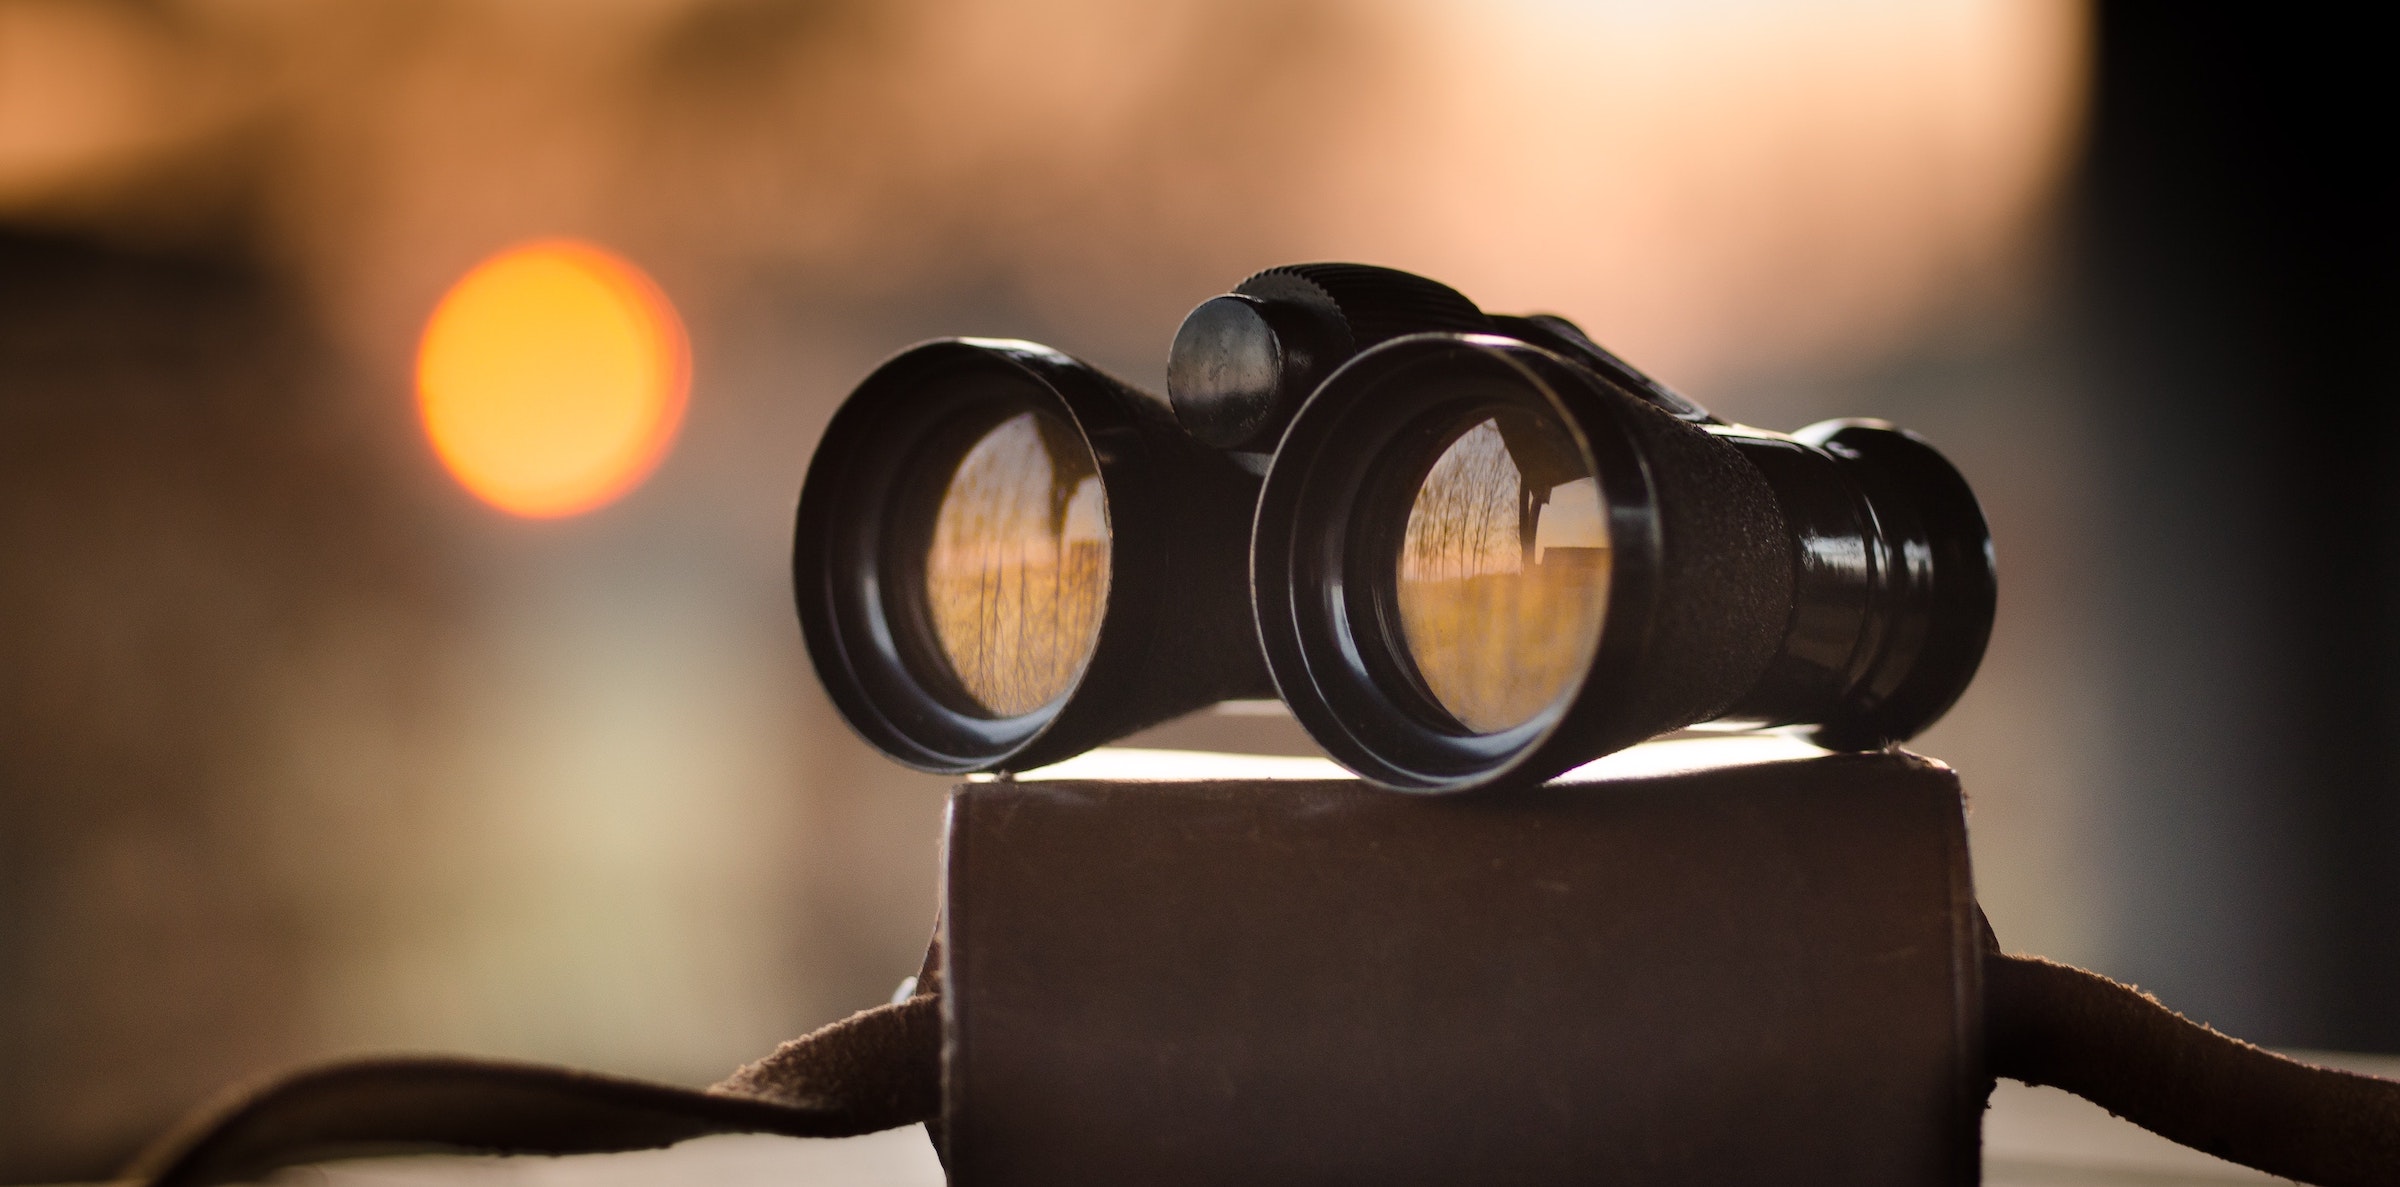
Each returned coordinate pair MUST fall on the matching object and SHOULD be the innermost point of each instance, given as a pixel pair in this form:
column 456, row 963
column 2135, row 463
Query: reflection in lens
column 1018, row 568
column 1503, row 572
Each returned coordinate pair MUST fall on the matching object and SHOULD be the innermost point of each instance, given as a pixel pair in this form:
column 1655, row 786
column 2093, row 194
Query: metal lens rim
column 1320, row 550
column 872, row 644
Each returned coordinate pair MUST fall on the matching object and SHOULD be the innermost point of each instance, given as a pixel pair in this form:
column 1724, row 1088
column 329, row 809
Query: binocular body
column 1466, row 550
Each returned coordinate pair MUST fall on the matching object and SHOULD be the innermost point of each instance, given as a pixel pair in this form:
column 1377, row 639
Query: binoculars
column 1465, row 549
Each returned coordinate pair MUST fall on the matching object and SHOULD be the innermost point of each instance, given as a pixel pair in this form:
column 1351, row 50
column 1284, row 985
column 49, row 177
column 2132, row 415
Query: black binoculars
column 1465, row 549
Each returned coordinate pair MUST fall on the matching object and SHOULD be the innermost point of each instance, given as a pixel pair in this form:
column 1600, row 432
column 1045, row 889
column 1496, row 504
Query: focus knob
column 1242, row 363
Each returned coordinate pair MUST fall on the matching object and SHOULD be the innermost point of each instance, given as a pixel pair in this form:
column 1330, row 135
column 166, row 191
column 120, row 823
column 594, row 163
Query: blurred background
column 307, row 749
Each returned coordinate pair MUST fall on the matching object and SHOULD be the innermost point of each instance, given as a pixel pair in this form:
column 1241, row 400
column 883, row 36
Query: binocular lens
column 1016, row 564
column 1502, row 577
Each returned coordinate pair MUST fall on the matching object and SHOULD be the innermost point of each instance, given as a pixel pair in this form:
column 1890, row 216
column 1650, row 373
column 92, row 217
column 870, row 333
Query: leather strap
column 877, row 1069
column 2113, row 1045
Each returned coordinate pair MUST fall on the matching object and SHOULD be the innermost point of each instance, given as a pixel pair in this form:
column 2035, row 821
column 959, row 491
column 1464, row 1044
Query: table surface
column 2033, row 1137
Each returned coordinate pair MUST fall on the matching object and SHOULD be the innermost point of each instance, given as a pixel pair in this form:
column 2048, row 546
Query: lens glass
column 1502, row 576
column 1016, row 572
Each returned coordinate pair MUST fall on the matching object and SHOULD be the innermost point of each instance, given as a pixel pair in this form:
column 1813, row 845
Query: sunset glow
column 551, row 378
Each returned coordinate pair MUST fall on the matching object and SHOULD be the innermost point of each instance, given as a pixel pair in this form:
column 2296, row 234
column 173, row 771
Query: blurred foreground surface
column 2032, row 1137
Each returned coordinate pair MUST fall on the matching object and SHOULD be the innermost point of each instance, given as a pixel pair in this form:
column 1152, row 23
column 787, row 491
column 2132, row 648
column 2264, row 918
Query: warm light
column 552, row 378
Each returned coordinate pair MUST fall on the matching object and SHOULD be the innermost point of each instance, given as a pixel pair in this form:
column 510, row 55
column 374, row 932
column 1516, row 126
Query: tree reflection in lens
column 1503, row 572
column 1018, row 568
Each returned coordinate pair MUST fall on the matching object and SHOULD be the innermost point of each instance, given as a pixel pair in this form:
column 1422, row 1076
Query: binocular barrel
column 1476, row 561
column 1005, row 558
column 1484, row 549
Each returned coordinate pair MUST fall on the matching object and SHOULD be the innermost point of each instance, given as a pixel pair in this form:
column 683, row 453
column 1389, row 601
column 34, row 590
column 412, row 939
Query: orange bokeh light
column 552, row 377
